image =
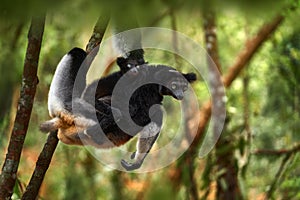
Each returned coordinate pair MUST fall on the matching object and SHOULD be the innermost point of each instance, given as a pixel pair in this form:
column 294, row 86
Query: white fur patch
column 55, row 104
column 84, row 122
column 173, row 71
column 149, row 130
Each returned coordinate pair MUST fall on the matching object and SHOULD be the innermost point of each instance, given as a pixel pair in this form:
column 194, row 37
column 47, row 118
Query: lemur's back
column 61, row 89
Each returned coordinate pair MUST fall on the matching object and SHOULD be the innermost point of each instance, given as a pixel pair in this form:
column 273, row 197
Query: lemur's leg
column 83, row 108
column 80, row 106
column 70, row 136
column 90, row 136
column 103, row 106
column 106, row 133
column 147, row 137
column 95, row 137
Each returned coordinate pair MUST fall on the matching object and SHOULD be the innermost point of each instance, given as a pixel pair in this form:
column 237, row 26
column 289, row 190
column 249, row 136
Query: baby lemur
column 143, row 85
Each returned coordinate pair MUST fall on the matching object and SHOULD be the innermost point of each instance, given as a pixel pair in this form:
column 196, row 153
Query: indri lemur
column 79, row 128
column 149, row 120
column 61, row 88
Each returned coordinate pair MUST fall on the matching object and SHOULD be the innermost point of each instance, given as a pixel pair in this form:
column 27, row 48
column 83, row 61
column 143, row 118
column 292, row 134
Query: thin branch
column 98, row 33
column 278, row 175
column 251, row 47
column 47, row 153
column 41, row 167
column 246, row 113
column 17, row 36
column 280, row 152
column 28, row 89
column 193, row 187
column 246, row 118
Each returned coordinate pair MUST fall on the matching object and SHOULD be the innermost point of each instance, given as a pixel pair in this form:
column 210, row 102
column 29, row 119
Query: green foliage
column 11, row 62
column 160, row 189
column 291, row 184
column 286, row 78
column 274, row 96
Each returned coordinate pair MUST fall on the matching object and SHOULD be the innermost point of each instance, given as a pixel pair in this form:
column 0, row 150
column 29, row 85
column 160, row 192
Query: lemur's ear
column 134, row 58
column 122, row 63
column 137, row 55
column 190, row 77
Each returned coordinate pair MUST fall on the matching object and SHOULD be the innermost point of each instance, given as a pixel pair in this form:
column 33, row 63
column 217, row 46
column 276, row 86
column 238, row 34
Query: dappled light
column 198, row 101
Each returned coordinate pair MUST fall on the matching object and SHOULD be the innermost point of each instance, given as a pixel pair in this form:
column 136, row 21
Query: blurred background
column 257, row 155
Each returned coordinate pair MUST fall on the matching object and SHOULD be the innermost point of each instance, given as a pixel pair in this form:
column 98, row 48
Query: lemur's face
column 170, row 81
column 177, row 86
column 133, row 68
column 175, row 83
column 129, row 64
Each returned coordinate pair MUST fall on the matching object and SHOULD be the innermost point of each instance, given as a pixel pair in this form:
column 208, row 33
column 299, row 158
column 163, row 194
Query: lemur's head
column 174, row 82
column 170, row 81
column 135, row 58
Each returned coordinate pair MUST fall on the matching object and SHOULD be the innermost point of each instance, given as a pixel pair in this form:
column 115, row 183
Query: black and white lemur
column 80, row 129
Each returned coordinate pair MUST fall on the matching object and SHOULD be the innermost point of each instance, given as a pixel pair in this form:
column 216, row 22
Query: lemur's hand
column 131, row 166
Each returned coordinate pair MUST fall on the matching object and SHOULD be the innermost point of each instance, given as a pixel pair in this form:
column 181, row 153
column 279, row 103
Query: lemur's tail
column 51, row 125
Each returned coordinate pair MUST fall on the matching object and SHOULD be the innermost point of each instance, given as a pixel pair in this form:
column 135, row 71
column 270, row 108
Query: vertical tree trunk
column 49, row 148
column 210, row 31
column 227, row 183
column 28, row 89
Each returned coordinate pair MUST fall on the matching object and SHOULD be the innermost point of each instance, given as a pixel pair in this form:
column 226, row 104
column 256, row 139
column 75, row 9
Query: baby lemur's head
column 135, row 58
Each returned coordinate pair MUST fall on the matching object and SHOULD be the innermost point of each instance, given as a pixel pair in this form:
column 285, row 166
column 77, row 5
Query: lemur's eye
column 173, row 86
column 129, row 65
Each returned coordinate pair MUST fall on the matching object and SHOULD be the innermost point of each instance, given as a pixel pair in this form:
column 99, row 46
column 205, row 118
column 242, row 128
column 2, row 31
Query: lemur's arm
column 146, row 139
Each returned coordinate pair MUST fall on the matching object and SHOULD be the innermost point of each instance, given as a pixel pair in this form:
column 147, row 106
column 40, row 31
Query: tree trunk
column 243, row 58
column 28, row 89
column 46, row 154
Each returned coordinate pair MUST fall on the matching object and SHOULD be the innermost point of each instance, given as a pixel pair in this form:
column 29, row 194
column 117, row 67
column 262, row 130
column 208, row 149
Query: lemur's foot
column 67, row 118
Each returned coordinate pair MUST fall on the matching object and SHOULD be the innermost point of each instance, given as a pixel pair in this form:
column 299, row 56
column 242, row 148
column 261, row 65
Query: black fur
column 78, row 55
column 143, row 109
column 135, row 58
column 144, row 97
column 105, row 86
column 140, row 104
